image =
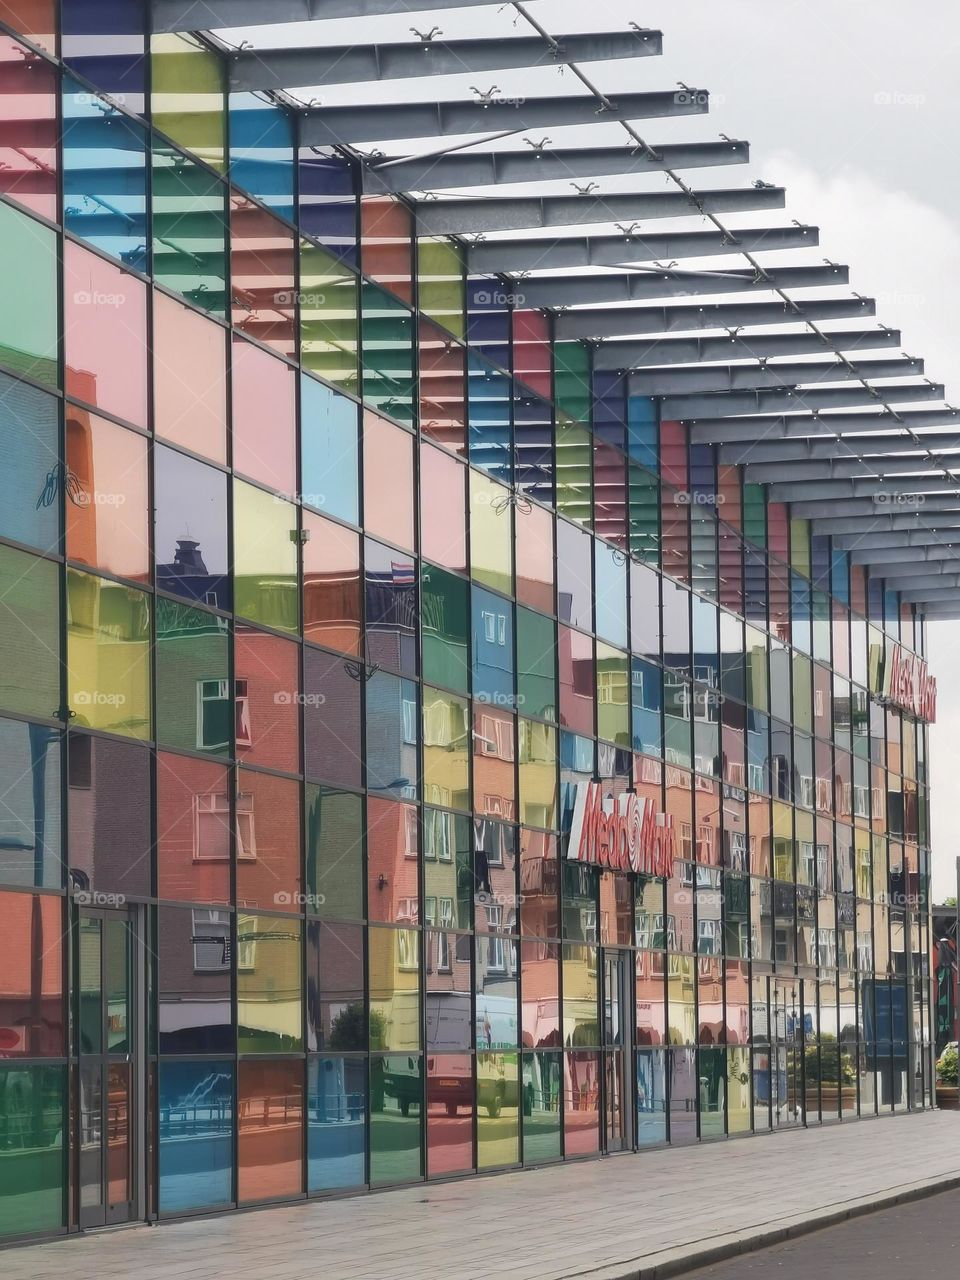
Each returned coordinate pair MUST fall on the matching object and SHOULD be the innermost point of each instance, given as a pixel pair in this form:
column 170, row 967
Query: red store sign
column 627, row 835
column 911, row 686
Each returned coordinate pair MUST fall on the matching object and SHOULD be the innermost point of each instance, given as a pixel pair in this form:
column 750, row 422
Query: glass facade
column 329, row 596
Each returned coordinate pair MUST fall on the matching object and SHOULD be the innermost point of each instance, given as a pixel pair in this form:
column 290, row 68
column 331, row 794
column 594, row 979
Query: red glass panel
column 35, row 19
column 268, row 841
column 451, row 1106
column 193, row 830
column 386, row 231
column 263, row 283
column 270, row 1147
column 443, row 415
column 581, row 1103
column 392, row 862
column 267, row 700
column 31, row 976
column 577, row 674
column 494, row 762
column 540, row 984
column 532, row 362
column 609, row 493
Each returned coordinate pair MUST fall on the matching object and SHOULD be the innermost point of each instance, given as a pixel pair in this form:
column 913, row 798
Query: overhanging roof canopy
column 835, row 419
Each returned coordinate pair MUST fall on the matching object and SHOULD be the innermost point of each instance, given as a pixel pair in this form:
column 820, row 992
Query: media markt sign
column 626, row 834
column 910, row 686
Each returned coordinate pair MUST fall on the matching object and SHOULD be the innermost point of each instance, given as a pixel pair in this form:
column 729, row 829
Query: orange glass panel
column 443, row 414
column 392, row 862
column 270, row 1147
column 105, row 328
column 494, row 762
column 263, row 283
column 264, row 418
column 190, row 379
column 331, row 584
column 106, row 503
column 193, row 829
column 31, row 976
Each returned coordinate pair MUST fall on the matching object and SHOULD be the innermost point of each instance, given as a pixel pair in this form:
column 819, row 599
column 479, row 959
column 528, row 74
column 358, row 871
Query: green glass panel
column 498, row 1112
column 90, row 948
column 644, row 515
column 541, row 1091
column 329, row 320
column 713, row 1092
column 440, row 280
column 574, row 475
column 389, row 384
column 265, row 558
column 189, row 229
column 29, row 634
column 334, row 853
column 800, row 546
column 491, row 534
column 572, row 380
column 187, row 96
column 536, row 664
column 194, row 710
column 755, row 514
column 116, row 973
column 32, row 1124
column 269, row 984
column 108, row 655
column 445, row 628
column 613, row 695
column 28, row 286
column 396, row 1115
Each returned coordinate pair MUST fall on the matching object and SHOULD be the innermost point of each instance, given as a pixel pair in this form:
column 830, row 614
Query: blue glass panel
column 488, row 319
column 336, row 1122
column 30, row 806
column 493, row 674
column 651, row 1097
column 610, row 408
column 393, row 721
column 261, row 151
column 196, row 1135
column 31, row 479
column 646, row 685
column 533, row 447
column 840, row 576
column 820, row 561
column 329, row 451
column 610, row 590
column 390, row 592
column 488, row 400
column 642, row 432
column 104, row 177
column 328, row 203
column 703, row 475
column 190, row 528
column 104, row 41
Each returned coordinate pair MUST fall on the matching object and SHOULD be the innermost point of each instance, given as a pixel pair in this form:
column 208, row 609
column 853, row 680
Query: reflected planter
column 831, row 1097
column 948, row 1097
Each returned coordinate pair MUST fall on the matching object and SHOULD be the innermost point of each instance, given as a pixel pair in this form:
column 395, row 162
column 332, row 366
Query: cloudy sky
column 851, row 104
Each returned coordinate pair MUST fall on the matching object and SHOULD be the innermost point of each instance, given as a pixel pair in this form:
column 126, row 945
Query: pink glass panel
column 581, row 1103
column 450, row 1110
column 388, row 481
column 535, row 565
column 443, row 508
column 264, row 418
column 28, row 145
column 331, row 585
column 105, row 326
column 190, row 380
column 263, row 283
column 267, row 700
column 106, row 504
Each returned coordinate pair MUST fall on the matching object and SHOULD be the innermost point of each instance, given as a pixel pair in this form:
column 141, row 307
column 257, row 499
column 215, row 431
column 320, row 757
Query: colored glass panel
column 108, row 655
column 31, row 477
column 192, row 673
column 106, row 500
column 29, row 155
column 196, row 1135
column 28, row 324
column 270, row 1138
column 187, row 95
column 269, row 984
column 189, row 229
column 329, row 317
column 265, row 558
column 29, row 634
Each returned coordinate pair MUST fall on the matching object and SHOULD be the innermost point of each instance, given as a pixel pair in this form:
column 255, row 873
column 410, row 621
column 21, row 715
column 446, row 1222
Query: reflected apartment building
column 419, row 755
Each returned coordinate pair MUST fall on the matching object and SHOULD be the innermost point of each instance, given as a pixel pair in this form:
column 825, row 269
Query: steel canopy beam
column 941, row 549
column 745, row 430
column 499, row 257
column 628, row 356
column 743, row 377
column 362, row 63
column 874, row 510
column 871, row 543
column 818, row 450
column 644, row 286
column 889, row 530
column 206, row 15
column 867, row 487
column 596, row 322
column 527, row 213
column 847, row 468
column 494, row 168
column 327, row 126
column 736, row 403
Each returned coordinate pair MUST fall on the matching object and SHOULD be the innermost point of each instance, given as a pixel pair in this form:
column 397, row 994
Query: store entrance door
column 109, row 989
column 786, row 1044
column 618, row 1034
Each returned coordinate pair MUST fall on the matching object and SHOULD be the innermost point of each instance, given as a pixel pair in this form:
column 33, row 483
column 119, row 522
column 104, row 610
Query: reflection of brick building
column 31, row 976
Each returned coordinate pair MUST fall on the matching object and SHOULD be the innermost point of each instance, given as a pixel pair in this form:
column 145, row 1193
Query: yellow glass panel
column 269, row 984
column 108, row 655
column 491, row 530
column 538, row 774
column 440, row 279
column 187, row 96
column 613, row 695
column 498, row 1112
column 446, row 750
column 394, row 974
column 800, row 546
column 265, row 558
column 581, row 1027
column 329, row 323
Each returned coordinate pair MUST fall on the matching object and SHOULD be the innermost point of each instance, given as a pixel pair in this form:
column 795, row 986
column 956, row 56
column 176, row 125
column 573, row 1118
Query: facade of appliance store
column 416, row 757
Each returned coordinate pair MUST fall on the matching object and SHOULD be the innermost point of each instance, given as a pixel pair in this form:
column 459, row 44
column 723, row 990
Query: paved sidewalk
column 636, row 1216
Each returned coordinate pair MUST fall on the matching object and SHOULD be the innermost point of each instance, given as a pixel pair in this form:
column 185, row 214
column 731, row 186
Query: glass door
column 107, row 1082
column 786, row 1043
column 618, row 1024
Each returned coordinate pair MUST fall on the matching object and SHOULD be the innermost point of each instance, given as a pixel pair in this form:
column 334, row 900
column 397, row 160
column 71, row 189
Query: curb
column 687, row 1258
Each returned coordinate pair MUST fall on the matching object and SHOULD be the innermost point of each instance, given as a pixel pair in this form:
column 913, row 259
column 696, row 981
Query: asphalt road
column 918, row 1241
